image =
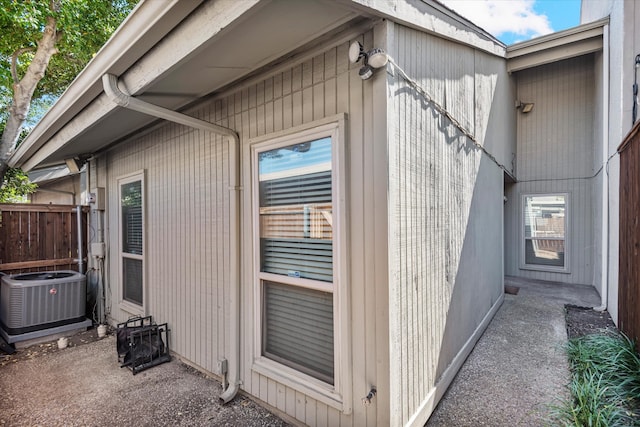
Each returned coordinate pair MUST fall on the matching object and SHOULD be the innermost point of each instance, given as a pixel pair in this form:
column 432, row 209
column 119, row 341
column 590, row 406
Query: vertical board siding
column 629, row 284
column 184, row 235
column 439, row 208
column 555, row 154
column 187, row 223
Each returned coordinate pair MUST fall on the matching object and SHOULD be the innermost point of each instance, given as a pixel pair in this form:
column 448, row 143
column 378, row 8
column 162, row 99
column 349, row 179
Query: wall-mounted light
column 524, row 107
column 375, row 58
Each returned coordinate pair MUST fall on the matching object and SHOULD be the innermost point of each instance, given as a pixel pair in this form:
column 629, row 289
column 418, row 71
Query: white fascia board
column 553, row 47
column 434, row 18
column 145, row 25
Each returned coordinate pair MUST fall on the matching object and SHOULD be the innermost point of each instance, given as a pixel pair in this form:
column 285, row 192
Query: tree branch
column 14, row 62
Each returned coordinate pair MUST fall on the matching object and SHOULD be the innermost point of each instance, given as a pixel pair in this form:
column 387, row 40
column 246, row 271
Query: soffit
column 258, row 37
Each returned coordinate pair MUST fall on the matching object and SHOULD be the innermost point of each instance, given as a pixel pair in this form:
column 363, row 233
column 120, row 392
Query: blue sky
column 512, row 21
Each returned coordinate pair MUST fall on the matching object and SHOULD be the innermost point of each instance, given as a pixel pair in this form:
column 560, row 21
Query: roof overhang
column 173, row 53
column 576, row 41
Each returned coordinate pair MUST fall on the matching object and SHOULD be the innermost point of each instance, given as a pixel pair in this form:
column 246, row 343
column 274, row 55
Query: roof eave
column 576, row 41
column 142, row 29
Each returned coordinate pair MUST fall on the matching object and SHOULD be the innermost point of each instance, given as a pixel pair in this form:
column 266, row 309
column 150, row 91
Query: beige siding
column 187, row 223
column 63, row 191
column 318, row 88
column 186, row 226
column 557, row 154
column 445, row 212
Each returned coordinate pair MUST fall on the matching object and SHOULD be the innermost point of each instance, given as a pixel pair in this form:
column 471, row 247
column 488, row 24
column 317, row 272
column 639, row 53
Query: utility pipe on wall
column 604, row 273
column 113, row 92
column 79, row 221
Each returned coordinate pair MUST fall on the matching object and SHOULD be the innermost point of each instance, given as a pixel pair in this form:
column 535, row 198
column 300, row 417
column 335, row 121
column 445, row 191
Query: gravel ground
column 517, row 369
column 83, row 385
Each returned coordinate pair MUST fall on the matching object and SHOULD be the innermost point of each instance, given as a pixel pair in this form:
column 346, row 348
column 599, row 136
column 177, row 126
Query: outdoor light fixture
column 375, row 58
column 524, row 107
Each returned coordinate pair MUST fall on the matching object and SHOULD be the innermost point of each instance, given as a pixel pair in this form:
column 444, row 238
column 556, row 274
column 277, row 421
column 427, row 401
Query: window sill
column 312, row 387
column 544, row 268
column 131, row 308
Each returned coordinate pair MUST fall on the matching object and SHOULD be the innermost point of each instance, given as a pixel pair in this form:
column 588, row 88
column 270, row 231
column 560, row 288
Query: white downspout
column 113, row 92
column 604, row 296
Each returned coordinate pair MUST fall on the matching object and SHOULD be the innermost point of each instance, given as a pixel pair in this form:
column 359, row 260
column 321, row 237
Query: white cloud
column 500, row 17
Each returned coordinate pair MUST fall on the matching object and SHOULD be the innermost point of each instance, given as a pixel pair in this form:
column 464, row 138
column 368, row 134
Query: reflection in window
column 545, row 230
column 296, row 241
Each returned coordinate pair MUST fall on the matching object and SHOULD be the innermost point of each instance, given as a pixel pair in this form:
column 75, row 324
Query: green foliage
column 15, row 187
column 605, row 382
column 85, row 25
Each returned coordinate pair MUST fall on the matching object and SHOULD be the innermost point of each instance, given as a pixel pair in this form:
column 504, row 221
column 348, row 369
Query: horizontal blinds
column 132, row 229
column 296, row 226
column 299, row 189
column 132, row 280
column 306, row 258
column 298, row 329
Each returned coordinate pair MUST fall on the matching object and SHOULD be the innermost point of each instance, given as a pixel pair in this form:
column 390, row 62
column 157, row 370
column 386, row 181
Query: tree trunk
column 23, row 91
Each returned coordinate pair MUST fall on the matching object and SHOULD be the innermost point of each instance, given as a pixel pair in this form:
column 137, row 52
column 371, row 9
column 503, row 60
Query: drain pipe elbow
column 231, row 391
column 110, row 85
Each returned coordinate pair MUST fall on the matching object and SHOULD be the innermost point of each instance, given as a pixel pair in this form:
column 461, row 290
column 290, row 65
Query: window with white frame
column 131, row 209
column 296, row 242
column 545, row 232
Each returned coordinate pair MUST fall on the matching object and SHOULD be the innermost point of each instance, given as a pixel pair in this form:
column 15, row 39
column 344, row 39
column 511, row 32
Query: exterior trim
column 570, row 43
column 567, row 228
column 338, row 396
column 124, row 305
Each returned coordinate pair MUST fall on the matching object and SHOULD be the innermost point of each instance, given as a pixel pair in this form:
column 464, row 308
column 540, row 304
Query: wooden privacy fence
column 40, row 237
column 629, row 275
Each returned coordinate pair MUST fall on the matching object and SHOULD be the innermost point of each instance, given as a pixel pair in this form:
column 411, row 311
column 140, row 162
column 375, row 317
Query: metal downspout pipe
column 79, row 221
column 113, row 92
column 604, row 277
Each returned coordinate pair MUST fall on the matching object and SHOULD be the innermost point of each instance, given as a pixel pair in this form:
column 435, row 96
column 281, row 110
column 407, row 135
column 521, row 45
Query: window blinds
column 298, row 328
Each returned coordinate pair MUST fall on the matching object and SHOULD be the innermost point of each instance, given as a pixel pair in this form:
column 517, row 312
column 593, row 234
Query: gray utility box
column 42, row 303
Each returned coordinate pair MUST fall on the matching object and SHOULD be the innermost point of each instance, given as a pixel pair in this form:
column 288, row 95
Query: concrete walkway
column 518, row 368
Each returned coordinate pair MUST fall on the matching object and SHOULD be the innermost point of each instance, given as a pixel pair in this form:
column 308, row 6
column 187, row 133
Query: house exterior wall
column 63, row 191
column 557, row 144
column 623, row 46
column 445, row 212
column 187, row 222
column 186, row 243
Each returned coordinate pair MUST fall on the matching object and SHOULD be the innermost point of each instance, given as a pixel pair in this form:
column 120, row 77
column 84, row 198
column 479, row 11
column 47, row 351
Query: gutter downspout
column 113, row 92
column 604, row 295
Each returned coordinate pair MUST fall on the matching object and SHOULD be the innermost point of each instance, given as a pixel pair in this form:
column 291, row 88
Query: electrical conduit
column 113, row 92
